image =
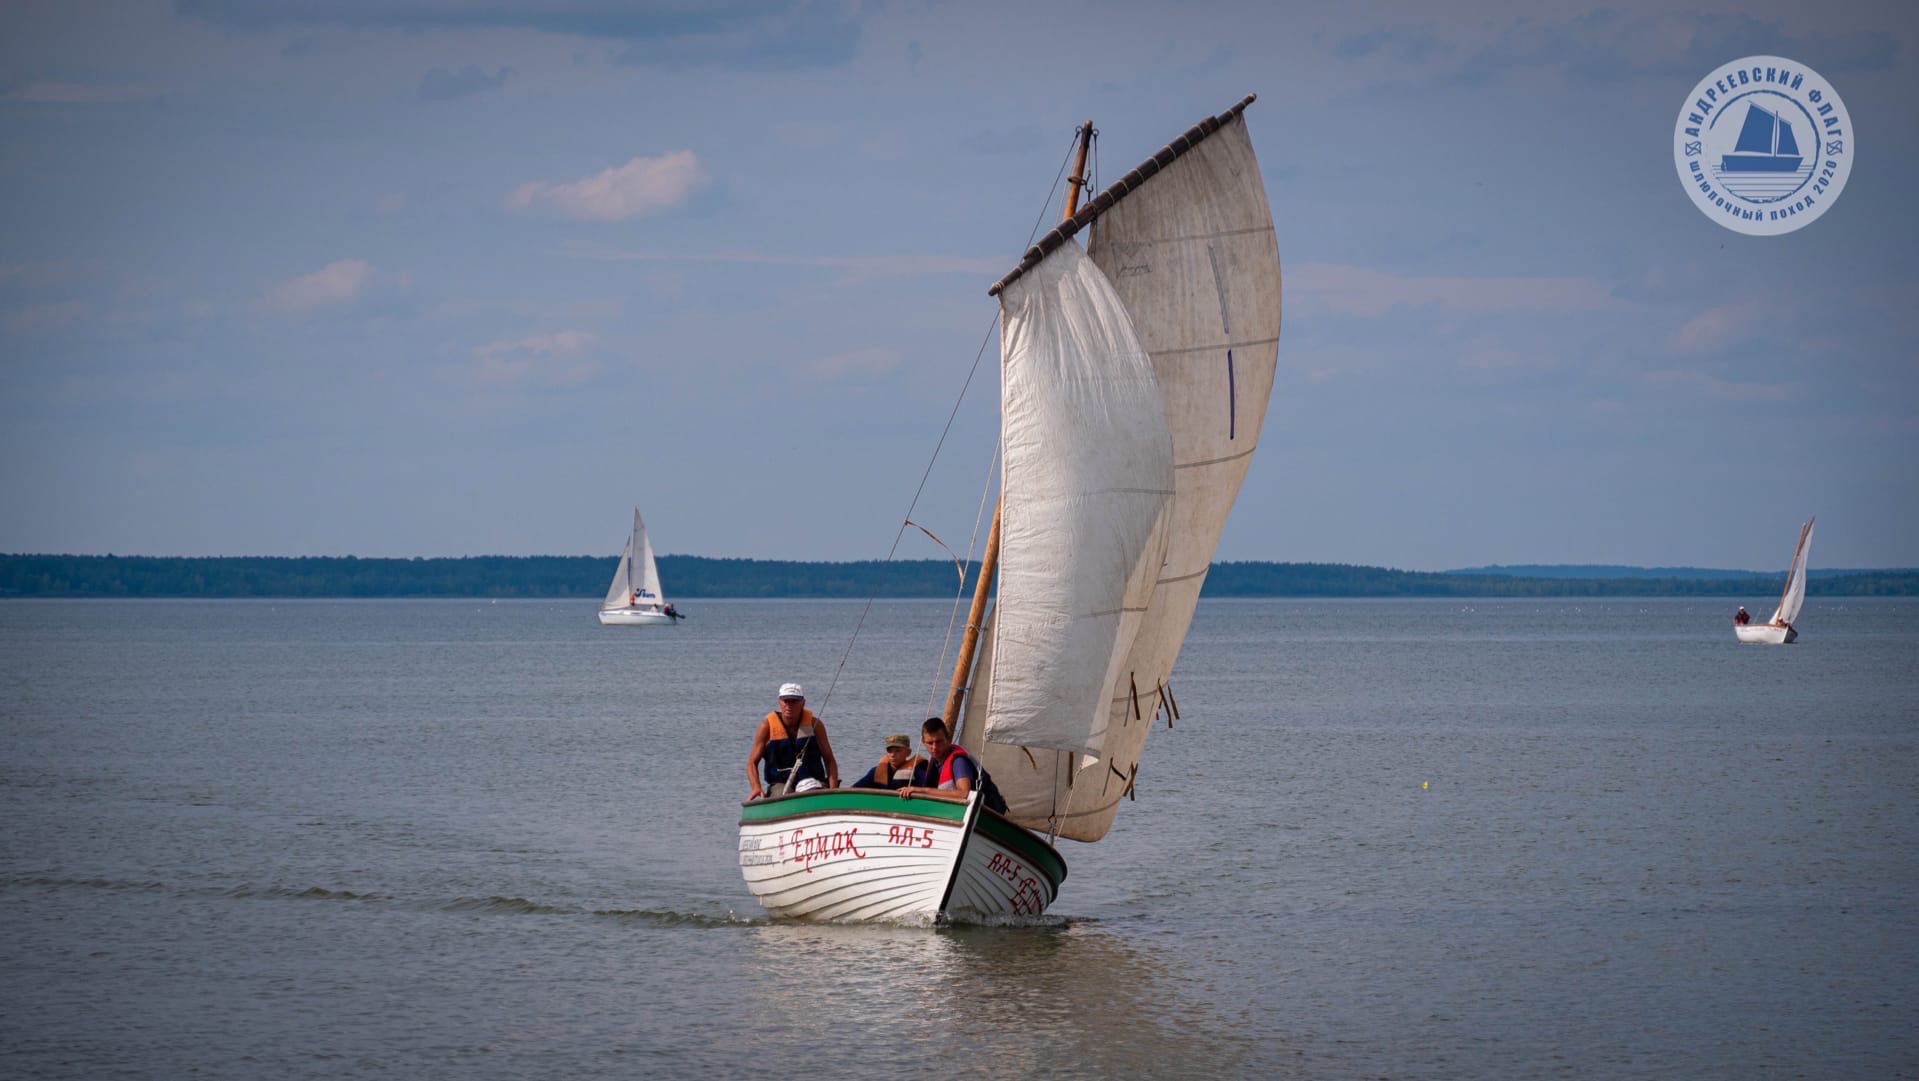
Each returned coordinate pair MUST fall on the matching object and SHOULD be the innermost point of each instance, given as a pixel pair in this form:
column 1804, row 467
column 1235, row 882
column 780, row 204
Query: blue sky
column 437, row 277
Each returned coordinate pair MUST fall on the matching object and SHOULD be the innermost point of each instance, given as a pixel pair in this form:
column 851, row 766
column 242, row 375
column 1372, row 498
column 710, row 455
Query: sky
column 466, row 277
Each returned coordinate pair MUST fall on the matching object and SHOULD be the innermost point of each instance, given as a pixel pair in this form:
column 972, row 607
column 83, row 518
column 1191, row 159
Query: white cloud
column 1711, row 386
column 1487, row 357
column 1340, row 289
column 59, row 93
column 1717, row 328
column 858, row 362
column 335, row 283
column 537, row 358
column 34, row 275
column 39, row 318
column 880, row 265
column 640, row 187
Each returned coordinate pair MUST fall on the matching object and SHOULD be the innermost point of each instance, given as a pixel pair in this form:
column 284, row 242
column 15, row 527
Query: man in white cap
column 790, row 750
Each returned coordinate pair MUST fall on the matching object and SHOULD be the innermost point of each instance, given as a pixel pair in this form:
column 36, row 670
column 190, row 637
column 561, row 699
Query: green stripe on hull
column 889, row 804
column 1023, row 844
column 868, row 801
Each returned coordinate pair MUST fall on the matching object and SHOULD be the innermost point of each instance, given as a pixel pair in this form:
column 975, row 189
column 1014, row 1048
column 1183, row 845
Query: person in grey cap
column 895, row 770
column 790, row 750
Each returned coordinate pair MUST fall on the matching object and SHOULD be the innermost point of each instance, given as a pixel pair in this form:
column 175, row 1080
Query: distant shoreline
column 688, row 577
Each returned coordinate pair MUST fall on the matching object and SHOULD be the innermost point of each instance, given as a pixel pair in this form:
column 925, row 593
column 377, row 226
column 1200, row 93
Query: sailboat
column 1135, row 376
column 1765, row 145
column 634, row 598
column 1779, row 630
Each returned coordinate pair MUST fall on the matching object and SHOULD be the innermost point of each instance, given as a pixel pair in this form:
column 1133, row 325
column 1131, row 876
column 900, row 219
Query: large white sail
column 1088, row 476
column 620, row 593
column 1191, row 253
column 637, row 579
column 647, row 573
column 1794, row 596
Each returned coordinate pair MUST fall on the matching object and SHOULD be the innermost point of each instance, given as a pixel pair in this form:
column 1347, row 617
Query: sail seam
column 1189, row 238
column 1101, row 809
column 1215, row 347
column 1212, row 461
column 1181, row 578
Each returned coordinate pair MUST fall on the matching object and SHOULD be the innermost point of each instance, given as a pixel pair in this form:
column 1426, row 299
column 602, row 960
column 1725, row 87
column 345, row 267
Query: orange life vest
column 784, row 749
column 886, row 776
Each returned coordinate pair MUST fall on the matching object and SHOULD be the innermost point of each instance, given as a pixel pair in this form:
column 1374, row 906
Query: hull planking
column 866, row 855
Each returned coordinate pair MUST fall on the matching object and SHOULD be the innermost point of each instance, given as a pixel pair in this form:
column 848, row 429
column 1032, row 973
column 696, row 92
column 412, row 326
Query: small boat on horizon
column 1779, row 630
column 635, row 598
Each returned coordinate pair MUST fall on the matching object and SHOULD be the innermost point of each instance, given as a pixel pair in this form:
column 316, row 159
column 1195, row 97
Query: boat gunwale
column 862, row 801
column 868, row 802
column 1010, row 834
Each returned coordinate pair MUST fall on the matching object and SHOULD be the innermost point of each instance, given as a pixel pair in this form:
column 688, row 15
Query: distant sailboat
column 634, row 598
column 1779, row 630
column 1765, row 145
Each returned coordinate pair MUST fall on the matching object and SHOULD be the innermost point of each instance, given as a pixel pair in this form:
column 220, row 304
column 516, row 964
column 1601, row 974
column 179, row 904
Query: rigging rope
column 944, row 432
column 959, row 598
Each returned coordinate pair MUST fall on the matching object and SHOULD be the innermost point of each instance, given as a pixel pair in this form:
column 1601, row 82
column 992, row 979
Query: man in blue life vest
column 896, row 769
column 791, row 743
column 950, row 768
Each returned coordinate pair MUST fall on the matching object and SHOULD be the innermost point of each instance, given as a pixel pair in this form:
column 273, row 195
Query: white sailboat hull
column 1770, row 634
column 634, row 617
column 1779, row 630
column 634, row 598
column 866, row 855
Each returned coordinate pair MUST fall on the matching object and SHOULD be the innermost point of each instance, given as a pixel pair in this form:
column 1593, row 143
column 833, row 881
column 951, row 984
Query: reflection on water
column 1066, row 1000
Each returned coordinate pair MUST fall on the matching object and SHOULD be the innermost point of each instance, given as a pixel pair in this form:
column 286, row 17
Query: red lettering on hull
column 909, row 836
column 1027, row 899
column 809, row 849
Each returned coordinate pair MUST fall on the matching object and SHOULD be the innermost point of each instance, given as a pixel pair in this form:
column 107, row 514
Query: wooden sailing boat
column 1135, row 375
column 1779, row 630
column 634, row 598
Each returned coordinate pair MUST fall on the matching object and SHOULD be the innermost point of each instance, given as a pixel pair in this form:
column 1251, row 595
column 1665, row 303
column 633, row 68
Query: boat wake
column 43, row 882
column 492, row 905
column 516, row 906
column 311, row 893
column 668, row 918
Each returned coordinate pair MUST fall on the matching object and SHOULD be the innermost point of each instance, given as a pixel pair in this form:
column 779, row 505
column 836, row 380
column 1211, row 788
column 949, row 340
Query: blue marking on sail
column 1232, row 398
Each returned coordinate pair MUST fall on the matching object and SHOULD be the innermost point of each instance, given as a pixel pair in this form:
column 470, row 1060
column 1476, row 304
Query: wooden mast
column 989, row 560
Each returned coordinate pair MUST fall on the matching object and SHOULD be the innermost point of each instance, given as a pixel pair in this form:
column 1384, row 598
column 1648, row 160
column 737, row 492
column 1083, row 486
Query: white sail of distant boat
column 1781, row 628
column 1135, row 379
column 635, row 598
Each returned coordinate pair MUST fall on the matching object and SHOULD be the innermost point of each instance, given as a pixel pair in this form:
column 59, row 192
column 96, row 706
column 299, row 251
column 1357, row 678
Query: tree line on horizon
column 562, row 577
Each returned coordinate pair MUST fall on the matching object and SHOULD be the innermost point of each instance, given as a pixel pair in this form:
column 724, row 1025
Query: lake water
column 1407, row 839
